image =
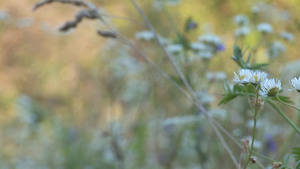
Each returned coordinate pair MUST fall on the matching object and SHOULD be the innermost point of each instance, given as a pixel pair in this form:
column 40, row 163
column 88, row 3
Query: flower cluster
column 246, row 76
column 267, row 87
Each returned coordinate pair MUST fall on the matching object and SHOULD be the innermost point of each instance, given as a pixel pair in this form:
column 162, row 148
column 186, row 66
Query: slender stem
column 287, row 104
column 267, row 158
column 284, row 116
column 248, row 98
column 262, row 155
column 254, row 128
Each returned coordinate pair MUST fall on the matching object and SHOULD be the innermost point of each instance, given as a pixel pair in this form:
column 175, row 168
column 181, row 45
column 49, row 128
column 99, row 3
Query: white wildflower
column 25, row 22
column 196, row 46
column 4, row 16
column 205, row 97
column 275, row 49
column 287, row 36
column 244, row 76
column 215, row 76
column 205, row 54
column 175, row 48
column 144, row 35
column 241, row 20
column 295, row 83
column 181, row 120
column 264, row 28
column 242, row 31
column 258, row 76
column 270, row 87
column 210, row 39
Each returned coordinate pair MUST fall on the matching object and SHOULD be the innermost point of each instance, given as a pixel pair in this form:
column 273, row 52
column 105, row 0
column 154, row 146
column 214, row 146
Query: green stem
column 262, row 156
column 267, row 158
column 284, row 116
column 254, row 129
column 248, row 98
column 287, row 104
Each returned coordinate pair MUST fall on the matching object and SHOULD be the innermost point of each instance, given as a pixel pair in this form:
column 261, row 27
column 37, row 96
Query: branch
column 90, row 14
column 73, row 2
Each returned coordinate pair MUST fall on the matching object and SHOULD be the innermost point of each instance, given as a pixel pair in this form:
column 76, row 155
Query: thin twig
column 73, row 2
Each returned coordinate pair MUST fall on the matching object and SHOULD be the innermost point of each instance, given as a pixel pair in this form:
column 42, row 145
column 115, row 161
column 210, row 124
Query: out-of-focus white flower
column 205, row 54
column 258, row 76
column 4, row 16
column 242, row 31
column 275, row 49
column 215, row 76
column 125, row 65
column 205, row 97
column 181, row 120
column 210, row 39
column 250, row 124
column 175, row 48
column 243, row 77
column 270, row 87
column 25, row 22
column 287, row 36
column 220, row 75
column 295, row 83
column 144, row 35
column 218, row 113
column 196, row 46
column 164, row 41
column 265, row 28
column 134, row 90
column 255, row 9
column 241, row 20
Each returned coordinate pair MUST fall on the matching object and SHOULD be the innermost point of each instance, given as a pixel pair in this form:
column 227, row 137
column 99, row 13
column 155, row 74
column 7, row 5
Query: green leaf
column 296, row 153
column 227, row 86
column 250, row 88
column 286, row 159
column 186, row 25
column 237, row 51
column 248, row 58
column 283, row 98
column 181, row 39
column 298, row 165
column 258, row 66
column 227, row 98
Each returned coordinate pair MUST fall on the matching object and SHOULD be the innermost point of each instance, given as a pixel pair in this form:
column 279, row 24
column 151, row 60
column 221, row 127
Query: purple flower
column 270, row 143
column 220, row 47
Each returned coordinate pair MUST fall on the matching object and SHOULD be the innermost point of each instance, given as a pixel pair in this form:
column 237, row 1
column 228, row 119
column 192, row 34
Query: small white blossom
column 270, row 87
column 241, row 19
column 205, row 97
column 210, row 39
column 215, row 76
column 275, row 49
column 286, row 35
column 264, row 28
column 25, row 22
column 144, row 35
column 4, row 16
column 295, row 83
column 242, row 31
column 244, row 76
column 205, row 54
column 175, row 48
column 197, row 46
column 164, row 41
column 258, row 76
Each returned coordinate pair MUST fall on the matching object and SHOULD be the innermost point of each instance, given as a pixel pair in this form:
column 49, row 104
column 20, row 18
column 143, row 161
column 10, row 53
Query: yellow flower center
column 242, row 77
